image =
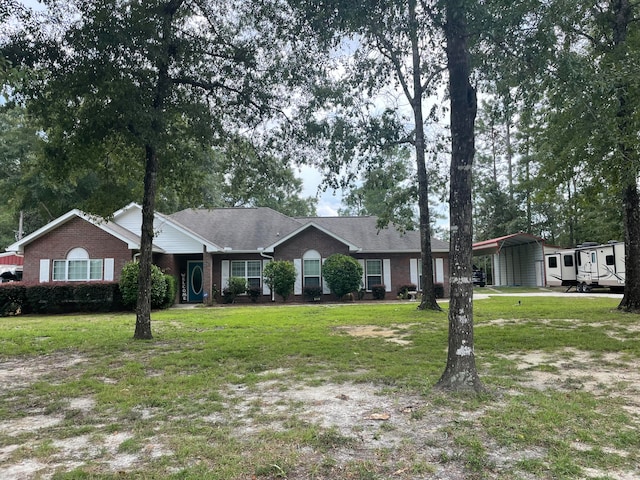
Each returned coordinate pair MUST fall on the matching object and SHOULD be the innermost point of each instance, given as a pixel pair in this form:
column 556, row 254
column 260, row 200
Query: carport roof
column 490, row 247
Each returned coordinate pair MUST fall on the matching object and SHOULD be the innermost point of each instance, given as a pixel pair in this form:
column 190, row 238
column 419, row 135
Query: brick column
column 207, row 277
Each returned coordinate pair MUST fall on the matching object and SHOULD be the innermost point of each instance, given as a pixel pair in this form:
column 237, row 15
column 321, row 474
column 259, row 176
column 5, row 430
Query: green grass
column 188, row 390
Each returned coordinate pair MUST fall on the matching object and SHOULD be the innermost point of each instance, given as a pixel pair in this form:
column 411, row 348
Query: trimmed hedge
column 61, row 297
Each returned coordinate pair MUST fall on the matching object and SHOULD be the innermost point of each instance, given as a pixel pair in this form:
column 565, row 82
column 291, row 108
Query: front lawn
column 321, row 392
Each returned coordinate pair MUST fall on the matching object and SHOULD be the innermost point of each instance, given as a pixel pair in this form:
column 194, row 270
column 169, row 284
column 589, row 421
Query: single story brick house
column 204, row 248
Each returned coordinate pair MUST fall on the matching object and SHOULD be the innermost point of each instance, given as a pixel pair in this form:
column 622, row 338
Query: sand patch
column 396, row 334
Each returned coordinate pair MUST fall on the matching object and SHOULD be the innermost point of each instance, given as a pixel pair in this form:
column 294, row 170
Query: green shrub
column 172, row 290
column 236, row 286
column 311, row 293
column 280, row 275
column 12, row 298
column 129, row 285
column 403, row 291
column 60, row 297
column 343, row 274
column 254, row 293
column 378, row 291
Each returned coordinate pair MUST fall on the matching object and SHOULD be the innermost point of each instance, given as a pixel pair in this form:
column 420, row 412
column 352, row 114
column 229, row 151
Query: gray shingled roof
column 243, row 229
column 363, row 232
column 247, row 229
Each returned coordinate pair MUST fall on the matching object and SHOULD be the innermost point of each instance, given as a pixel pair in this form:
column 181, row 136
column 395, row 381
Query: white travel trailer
column 561, row 268
column 587, row 266
column 600, row 266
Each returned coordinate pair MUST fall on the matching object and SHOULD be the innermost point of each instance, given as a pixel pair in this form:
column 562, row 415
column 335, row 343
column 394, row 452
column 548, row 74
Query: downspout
column 262, row 254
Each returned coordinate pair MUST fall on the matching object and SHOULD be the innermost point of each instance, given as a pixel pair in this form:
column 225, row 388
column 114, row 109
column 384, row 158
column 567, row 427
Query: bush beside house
column 343, row 274
column 280, row 275
column 60, row 298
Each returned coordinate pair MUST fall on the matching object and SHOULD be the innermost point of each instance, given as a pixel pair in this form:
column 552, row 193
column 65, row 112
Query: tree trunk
column 162, row 92
column 622, row 17
column 460, row 373
column 631, row 300
column 428, row 301
column 143, row 307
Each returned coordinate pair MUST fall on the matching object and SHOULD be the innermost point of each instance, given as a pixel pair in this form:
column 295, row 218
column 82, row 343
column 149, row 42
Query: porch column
column 207, row 277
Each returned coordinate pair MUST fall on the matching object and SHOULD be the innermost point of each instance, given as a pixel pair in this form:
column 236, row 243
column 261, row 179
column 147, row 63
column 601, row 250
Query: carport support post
column 207, row 277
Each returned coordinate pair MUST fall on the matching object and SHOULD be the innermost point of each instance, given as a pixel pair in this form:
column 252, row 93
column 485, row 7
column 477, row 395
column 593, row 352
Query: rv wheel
column 579, row 288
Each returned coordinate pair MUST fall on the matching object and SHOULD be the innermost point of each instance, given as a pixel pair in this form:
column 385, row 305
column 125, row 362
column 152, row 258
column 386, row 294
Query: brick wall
column 76, row 233
column 310, row 239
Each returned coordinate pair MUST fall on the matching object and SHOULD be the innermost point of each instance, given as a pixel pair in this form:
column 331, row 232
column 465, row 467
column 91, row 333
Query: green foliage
column 236, row 286
column 280, row 275
column 129, row 286
column 378, row 292
column 312, row 292
column 388, row 191
column 12, row 297
column 405, row 289
column 55, row 298
column 343, row 274
column 171, row 291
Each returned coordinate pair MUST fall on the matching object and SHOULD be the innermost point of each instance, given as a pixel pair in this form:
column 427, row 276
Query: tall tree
column 460, row 373
column 592, row 115
column 390, row 43
column 130, row 75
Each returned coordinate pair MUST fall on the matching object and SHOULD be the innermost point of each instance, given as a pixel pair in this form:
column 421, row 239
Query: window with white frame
column 77, row 267
column 250, row 270
column 311, row 269
column 373, row 273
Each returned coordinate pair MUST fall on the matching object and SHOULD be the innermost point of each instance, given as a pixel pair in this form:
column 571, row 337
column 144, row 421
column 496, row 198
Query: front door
column 195, row 281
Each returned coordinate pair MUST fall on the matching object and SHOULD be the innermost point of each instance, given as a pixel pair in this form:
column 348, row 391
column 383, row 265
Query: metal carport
column 516, row 259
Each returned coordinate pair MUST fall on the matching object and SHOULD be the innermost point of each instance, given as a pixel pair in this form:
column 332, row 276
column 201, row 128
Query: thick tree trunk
column 631, row 299
column 460, row 373
column 622, row 17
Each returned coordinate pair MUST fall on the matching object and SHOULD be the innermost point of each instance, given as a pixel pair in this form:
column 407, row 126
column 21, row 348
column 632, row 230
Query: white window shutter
column 386, row 271
column 325, row 286
column 224, row 274
column 364, row 273
column 265, row 288
column 44, row 270
column 413, row 270
column 439, row 270
column 108, row 269
column 297, row 288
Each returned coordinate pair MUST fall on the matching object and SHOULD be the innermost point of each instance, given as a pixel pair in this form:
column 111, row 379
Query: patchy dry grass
column 322, row 392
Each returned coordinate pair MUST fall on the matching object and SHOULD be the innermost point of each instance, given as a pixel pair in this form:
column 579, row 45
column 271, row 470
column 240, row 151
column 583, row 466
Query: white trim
column 413, row 271
column 109, row 269
column 265, row 288
column 297, row 287
column 363, row 280
column 386, row 272
column 325, row 286
column 224, row 274
column 439, row 270
column 45, row 266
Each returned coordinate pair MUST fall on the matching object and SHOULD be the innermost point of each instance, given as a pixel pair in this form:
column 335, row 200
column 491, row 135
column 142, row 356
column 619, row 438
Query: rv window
column 568, row 260
column 609, row 260
column 593, row 257
column 553, row 262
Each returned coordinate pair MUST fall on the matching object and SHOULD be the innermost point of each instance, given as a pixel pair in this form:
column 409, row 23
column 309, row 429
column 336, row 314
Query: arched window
column 77, row 267
column 311, row 269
